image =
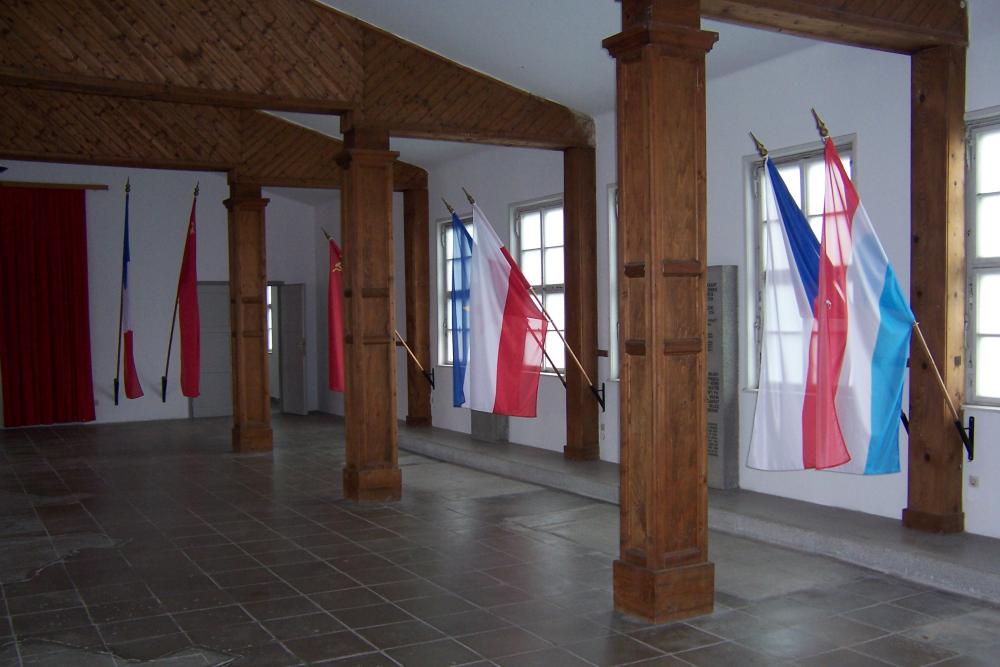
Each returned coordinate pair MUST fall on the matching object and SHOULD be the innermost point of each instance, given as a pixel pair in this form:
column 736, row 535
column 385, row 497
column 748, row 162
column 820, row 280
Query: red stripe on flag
column 132, row 387
column 335, row 318
column 190, row 321
column 519, row 359
column 831, row 309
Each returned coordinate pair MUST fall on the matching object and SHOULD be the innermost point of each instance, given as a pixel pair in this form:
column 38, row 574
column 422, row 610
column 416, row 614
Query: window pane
column 816, row 184
column 531, row 230
column 555, row 304
column 816, row 224
column 988, row 367
column 554, row 274
column 988, row 306
column 553, row 227
column 531, row 265
column 988, row 162
column 554, row 346
column 449, row 242
column 988, row 226
column 793, row 181
column 448, row 350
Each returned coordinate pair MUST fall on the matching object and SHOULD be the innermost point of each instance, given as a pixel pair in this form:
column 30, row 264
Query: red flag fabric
column 187, row 298
column 335, row 315
column 132, row 387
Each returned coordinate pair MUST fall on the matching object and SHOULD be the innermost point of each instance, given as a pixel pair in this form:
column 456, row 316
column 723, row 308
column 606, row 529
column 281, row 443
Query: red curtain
column 45, row 328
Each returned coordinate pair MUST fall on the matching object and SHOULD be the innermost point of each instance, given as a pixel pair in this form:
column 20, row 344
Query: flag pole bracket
column 601, row 396
column 968, row 435
column 430, row 377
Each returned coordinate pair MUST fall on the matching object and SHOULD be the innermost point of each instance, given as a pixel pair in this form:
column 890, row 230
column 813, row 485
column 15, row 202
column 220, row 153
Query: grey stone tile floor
column 153, row 544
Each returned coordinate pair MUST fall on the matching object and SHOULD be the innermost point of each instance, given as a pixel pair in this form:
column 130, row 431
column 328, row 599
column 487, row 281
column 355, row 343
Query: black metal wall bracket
column 968, row 435
column 599, row 394
column 430, row 377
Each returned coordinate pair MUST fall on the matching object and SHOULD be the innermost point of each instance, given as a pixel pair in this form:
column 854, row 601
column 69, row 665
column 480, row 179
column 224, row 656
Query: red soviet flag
column 187, row 299
column 335, row 313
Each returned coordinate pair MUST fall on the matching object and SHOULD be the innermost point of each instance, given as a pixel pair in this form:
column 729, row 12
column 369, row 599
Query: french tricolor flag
column 499, row 329
column 836, row 338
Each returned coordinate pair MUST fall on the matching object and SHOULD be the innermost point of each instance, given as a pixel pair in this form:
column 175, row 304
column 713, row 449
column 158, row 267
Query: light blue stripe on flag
column 461, row 269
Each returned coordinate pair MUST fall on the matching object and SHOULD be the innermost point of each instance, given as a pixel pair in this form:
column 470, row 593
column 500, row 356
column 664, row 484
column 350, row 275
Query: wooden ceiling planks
column 903, row 26
column 282, row 54
column 416, row 93
column 57, row 126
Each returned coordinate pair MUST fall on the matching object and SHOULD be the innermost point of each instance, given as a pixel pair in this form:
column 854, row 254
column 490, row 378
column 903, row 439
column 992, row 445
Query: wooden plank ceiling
column 59, row 126
column 293, row 55
column 904, row 26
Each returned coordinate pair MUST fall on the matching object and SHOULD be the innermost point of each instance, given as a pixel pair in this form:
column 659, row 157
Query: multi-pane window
column 449, row 327
column 983, row 183
column 804, row 174
column 539, row 231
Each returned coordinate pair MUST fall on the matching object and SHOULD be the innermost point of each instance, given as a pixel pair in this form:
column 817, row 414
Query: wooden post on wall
column 937, row 286
column 663, row 572
column 371, row 471
column 248, row 317
column 580, row 211
column 418, row 304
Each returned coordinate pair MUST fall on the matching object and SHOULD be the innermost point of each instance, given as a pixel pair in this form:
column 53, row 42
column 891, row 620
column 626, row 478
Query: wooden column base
column 928, row 522
column 252, row 438
column 418, row 421
column 664, row 595
column 373, row 484
column 577, row 454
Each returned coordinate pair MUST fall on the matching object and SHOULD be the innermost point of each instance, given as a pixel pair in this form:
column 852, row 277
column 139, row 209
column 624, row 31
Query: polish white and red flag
column 506, row 330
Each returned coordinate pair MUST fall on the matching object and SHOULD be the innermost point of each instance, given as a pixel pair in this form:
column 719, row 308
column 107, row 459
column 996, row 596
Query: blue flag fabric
column 801, row 239
column 461, row 270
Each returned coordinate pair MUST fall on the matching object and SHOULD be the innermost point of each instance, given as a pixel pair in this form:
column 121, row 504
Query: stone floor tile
column 442, row 653
column 612, row 650
column 399, row 634
column 327, row 647
column 505, row 641
column 902, row 651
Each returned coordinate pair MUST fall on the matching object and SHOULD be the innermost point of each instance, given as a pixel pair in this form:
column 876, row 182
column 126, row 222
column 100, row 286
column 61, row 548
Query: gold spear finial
column 761, row 148
column 128, row 185
column 820, row 125
column 326, row 234
column 197, row 188
column 468, row 196
column 448, row 206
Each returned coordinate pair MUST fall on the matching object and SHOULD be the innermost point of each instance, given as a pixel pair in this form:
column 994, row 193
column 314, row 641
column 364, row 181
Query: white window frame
column 269, row 295
column 755, row 193
column 985, row 122
column 516, row 211
column 444, row 270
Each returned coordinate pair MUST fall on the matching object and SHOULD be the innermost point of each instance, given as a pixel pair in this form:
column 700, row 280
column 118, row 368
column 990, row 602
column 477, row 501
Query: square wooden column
column 371, row 472
column 937, row 287
column 418, row 304
column 248, row 318
column 663, row 572
column 580, row 212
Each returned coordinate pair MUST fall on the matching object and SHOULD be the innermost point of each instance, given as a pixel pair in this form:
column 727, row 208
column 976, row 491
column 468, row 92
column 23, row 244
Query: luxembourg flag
column 499, row 330
column 836, row 339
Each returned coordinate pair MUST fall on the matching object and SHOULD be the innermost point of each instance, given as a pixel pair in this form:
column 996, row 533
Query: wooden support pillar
column 418, row 304
column 580, row 212
column 248, row 318
column 663, row 572
column 937, row 286
column 371, row 472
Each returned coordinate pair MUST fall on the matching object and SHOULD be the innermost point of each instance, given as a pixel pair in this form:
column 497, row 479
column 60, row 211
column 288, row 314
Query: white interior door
column 216, row 399
column 292, row 348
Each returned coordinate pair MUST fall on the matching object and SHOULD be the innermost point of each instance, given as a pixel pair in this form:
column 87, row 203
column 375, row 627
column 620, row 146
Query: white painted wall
column 160, row 204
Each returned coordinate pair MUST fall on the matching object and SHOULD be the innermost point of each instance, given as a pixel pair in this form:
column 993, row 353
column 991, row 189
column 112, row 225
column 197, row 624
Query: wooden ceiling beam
column 55, row 126
column 901, row 26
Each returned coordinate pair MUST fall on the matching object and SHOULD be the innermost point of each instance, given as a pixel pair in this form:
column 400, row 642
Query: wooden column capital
column 671, row 40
